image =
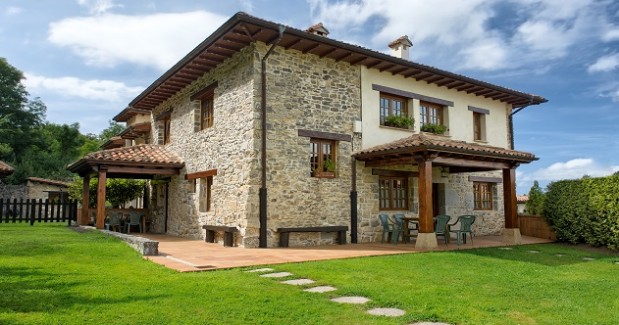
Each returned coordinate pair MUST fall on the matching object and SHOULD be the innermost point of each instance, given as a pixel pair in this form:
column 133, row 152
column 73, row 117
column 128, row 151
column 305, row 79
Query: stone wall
column 13, row 191
column 309, row 93
column 229, row 147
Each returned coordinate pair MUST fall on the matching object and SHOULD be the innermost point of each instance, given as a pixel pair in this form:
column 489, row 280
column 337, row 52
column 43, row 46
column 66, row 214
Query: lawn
column 51, row 274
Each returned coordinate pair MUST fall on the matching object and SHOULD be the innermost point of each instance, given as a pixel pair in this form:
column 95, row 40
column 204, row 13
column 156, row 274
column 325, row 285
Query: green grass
column 50, row 274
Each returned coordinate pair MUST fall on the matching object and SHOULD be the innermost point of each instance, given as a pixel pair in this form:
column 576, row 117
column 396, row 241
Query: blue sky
column 86, row 59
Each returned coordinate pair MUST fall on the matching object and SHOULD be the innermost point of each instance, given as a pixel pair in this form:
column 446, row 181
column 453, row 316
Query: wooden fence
column 31, row 210
column 536, row 226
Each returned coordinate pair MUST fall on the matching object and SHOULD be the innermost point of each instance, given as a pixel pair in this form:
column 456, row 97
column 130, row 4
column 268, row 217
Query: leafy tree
column 118, row 191
column 111, row 131
column 535, row 204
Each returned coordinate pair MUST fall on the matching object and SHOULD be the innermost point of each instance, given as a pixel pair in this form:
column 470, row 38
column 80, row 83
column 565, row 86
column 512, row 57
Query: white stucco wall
column 459, row 118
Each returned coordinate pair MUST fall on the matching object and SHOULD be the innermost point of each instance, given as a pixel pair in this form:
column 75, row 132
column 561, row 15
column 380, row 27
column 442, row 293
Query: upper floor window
column 322, row 158
column 478, row 126
column 167, row 124
column 431, row 113
column 391, row 105
column 206, row 112
column 483, row 195
column 393, row 193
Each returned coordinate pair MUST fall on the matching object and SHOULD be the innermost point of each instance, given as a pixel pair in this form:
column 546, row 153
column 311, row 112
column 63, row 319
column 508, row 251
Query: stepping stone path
column 428, row 323
column 559, row 255
column 617, row 262
column 533, row 252
column 276, row 275
column 322, row 289
column 266, row 269
column 299, row 282
column 351, row 300
column 588, row 259
column 505, row 249
column 391, row 312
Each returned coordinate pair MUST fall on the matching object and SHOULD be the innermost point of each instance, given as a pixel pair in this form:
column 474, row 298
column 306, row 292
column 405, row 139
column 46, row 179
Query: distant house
column 263, row 127
column 5, row 169
column 521, row 202
column 41, row 188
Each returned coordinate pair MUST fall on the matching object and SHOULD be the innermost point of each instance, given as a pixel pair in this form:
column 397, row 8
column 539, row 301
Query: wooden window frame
column 390, row 203
column 317, row 161
column 207, row 110
column 478, row 134
column 483, row 196
column 384, row 112
column 425, row 110
column 167, row 126
column 206, row 183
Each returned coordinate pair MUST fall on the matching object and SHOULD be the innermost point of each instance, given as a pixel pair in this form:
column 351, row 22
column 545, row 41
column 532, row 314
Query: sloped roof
column 429, row 143
column 522, row 198
column 145, row 156
column 5, row 169
column 48, row 181
column 242, row 29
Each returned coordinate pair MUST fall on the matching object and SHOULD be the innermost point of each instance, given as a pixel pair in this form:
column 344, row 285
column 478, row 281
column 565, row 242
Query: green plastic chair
column 398, row 228
column 440, row 228
column 466, row 223
column 387, row 227
column 113, row 223
column 135, row 219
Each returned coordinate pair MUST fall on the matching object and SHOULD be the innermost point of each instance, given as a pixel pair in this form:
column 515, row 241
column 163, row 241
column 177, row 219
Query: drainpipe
column 263, row 177
column 511, row 121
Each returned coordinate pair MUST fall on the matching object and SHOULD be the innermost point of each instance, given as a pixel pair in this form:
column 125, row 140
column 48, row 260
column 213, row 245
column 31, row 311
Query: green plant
column 397, row 121
column 535, row 204
column 434, row 128
column 329, row 165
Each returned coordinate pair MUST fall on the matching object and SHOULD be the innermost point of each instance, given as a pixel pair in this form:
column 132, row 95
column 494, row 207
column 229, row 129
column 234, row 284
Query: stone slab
column 322, row 289
column 351, row 300
column 390, row 312
column 511, row 236
column 298, row 282
column 276, row 275
column 426, row 241
column 265, row 269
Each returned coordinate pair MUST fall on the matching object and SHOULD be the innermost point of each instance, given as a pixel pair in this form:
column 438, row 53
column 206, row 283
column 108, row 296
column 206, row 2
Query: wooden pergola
column 143, row 161
column 426, row 151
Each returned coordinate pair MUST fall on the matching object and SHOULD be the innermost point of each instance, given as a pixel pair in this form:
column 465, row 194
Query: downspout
column 511, row 121
column 263, row 176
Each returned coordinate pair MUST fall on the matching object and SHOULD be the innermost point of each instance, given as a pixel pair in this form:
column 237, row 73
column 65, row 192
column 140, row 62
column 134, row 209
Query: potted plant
column 328, row 169
column 434, row 128
column 403, row 122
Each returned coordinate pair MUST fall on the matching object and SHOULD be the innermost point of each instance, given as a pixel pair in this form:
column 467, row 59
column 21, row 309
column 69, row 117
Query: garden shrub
column 585, row 210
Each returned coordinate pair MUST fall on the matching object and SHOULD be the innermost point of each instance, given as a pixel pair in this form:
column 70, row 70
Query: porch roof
column 5, row 169
column 444, row 152
column 140, row 161
column 242, row 29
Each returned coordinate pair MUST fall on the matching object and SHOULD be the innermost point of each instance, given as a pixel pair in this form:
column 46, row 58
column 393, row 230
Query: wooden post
column 101, row 197
column 84, row 218
column 426, row 223
column 509, row 198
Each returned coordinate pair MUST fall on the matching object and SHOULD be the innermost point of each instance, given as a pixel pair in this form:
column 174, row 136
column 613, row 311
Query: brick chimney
column 318, row 29
column 399, row 47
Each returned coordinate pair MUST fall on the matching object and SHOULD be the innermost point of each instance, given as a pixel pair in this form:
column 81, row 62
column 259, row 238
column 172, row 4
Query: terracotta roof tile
column 48, row 181
column 5, row 169
column 522, row 198
column 421, row 142
column 142, row 153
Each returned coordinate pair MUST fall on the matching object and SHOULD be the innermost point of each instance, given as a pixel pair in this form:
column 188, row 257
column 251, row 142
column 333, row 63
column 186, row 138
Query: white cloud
column 100, row 90
column 606, row 63
column 611, row 35
column 12, row 11
column 572, row 169
column 98, row 7
column 464, row 33
column 157, row 40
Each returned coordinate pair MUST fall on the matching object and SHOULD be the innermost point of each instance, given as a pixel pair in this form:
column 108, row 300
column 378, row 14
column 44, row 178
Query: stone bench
column 284, row 233
column 228, row 234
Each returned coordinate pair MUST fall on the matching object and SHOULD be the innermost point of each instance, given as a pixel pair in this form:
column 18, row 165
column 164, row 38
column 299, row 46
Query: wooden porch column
column 85, row 200
column 511, row 234
column 426, row 238
column 101, row 197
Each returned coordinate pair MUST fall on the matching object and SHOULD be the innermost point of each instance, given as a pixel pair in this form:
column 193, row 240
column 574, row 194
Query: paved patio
column 188, row 255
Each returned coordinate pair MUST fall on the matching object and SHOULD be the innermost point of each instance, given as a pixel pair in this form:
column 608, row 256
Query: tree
column 118, row 191
column 535, row 204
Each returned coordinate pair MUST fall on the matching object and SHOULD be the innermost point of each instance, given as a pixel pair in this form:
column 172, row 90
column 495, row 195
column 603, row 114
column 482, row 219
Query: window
column 431, row 113
column 393, row 193
column 322, row 158
column 483, row 193
column 206, row 111
column 479, row 132
column 205, row 193
column 167, row 123
column 392, row 105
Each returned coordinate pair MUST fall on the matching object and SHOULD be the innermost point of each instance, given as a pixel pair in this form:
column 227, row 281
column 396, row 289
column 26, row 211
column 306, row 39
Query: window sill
column 446, row 135
column 396, row 128
column 481, row 141
column 323, row 175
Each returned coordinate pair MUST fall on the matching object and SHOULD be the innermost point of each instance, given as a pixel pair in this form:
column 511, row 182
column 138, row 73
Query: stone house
column 263, row 126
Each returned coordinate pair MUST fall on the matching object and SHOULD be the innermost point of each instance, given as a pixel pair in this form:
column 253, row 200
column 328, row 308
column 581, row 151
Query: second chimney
column 399, row 47
column 318, row 29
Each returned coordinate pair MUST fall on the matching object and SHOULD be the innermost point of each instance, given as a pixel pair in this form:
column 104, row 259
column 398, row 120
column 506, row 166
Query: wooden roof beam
column 346, row 55
column 357, row 61
column 311, row 47
column 322, row 55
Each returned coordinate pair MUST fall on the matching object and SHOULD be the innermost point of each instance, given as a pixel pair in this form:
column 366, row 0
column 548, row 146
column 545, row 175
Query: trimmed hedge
column 585, row 210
